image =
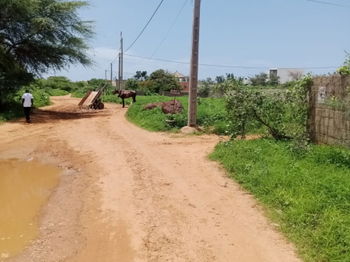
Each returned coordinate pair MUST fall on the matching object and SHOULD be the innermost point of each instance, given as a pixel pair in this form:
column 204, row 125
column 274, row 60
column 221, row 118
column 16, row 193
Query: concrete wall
column 287, row 74
column 329, row 121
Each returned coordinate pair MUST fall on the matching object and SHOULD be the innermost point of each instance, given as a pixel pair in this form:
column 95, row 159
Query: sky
column 243, row 37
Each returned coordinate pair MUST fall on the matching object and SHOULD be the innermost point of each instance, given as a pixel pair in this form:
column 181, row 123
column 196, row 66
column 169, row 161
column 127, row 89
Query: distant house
column 286, row 74
column 184, row 81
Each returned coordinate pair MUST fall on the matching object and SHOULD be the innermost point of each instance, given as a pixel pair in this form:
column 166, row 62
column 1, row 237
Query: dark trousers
column 27, row 113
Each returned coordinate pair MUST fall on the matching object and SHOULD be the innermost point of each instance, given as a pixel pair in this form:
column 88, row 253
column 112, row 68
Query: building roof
column 178, row 75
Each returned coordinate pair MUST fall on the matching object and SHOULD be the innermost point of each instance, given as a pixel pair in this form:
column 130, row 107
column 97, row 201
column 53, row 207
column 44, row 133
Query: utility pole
column 192, row 102
column 106, row 75
column 111, row 73
column 119, row 68
column 121, row 61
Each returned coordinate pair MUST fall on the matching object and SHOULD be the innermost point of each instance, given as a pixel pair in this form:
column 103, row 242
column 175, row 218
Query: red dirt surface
column 130, row 195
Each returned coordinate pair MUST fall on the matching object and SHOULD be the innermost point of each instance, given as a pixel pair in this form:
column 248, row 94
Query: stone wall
column 329, row 121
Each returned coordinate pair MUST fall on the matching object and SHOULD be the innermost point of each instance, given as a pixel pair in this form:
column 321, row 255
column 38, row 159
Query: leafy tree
column 205, row 87
column 230, row 76
column 259, row 80
column 38, row 35
column 132, row 84
column 163, row 81
column 220, row 79
column 284, row 114
column 223, row 84
column 59, row 82
column 141, row 75
column 97, row 83
column 146, row 87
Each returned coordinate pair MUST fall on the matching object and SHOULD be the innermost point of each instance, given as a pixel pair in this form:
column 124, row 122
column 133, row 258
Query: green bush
column 57, row 92
column 332, row 155
column 13, row 108
column 345, row 69
column 57, row 82
column 282, row 112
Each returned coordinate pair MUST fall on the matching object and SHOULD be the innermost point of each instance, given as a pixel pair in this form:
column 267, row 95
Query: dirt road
column 130, row 195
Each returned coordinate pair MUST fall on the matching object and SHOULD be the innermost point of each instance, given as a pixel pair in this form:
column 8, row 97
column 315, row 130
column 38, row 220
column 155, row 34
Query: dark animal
column 125, row 94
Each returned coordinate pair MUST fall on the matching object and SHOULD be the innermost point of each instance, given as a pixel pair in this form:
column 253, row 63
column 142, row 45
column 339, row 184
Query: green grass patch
column 211, row 114
column 308, row 194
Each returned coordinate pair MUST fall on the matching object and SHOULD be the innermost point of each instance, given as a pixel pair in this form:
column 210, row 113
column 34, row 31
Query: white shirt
column 27, row 99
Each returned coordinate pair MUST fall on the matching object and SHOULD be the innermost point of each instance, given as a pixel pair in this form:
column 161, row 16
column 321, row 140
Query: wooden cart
column 92, row 99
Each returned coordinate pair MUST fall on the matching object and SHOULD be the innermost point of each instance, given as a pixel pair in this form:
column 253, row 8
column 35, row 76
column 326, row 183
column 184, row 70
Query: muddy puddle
column 25, row 187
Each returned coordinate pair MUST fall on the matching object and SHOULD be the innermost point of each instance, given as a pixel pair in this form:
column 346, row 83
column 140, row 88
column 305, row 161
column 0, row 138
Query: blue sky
column 243, row 33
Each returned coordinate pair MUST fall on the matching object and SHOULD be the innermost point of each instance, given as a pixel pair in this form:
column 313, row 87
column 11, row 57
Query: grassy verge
column 308, row 195
column 211, row 114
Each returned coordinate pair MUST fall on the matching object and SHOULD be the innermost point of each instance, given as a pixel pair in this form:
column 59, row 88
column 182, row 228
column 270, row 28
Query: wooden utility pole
column 106, row 75
column 111, row 73
column 192, row 103
column 119, row 67
column 120, row 57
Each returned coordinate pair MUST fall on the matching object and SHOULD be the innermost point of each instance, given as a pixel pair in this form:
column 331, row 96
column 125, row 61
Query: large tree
column 38, row 35
column 141, row 75
column 163, row 81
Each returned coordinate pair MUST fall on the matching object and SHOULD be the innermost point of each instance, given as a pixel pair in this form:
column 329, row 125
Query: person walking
column 27, row 102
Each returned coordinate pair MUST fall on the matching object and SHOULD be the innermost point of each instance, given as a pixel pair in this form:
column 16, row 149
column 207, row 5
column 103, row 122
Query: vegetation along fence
column 330, row 110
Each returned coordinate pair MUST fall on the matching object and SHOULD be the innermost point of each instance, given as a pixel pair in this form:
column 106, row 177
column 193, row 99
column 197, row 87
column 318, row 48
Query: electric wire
column 203, row 64
column 170, row 28
column 144, row 28
column 226, row 66
column 328, row 3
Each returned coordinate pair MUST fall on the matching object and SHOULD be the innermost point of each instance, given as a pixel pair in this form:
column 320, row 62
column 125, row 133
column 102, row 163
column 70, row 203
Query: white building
column 286, row 74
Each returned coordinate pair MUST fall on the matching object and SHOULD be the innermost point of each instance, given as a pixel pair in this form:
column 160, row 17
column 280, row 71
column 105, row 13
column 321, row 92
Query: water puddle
column 25, row 187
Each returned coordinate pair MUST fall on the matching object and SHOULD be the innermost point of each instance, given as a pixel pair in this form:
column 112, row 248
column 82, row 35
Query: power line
column 114, row 59
column 209, row 65
column 328, row 3
column 170, row 28
column 144, row 28
column 227, row 66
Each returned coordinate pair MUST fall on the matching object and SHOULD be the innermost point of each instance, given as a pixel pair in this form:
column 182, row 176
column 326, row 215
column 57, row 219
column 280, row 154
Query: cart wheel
column 101, row 105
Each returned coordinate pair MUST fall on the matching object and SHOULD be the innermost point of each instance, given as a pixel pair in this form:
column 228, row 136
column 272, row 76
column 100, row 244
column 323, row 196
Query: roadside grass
column 307, row 194
column 211, row 114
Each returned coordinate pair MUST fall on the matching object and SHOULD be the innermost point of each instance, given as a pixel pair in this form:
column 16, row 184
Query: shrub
column 283, row 113
column 57, row 92
column 13, row 107
column 259, row 80
column 345, row 69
